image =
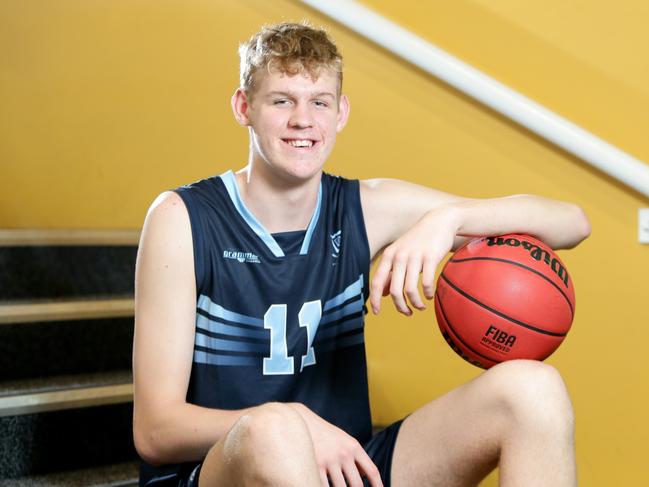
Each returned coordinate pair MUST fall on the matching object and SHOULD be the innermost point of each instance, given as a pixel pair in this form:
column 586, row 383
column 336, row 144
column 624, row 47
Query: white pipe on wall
column 504, row 100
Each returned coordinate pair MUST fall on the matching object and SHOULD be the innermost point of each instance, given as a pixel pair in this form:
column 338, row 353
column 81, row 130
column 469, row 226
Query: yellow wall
column 104, row 104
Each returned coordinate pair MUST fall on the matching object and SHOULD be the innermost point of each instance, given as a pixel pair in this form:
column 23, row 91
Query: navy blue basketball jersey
column 280, row 317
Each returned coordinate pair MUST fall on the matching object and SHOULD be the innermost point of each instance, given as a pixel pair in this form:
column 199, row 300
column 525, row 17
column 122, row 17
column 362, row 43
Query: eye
column 320, row 103
column 281, row 102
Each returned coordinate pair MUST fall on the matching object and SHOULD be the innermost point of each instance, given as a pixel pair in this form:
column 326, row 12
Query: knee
column 533, row 394
column 264, row 447
column 267, row 428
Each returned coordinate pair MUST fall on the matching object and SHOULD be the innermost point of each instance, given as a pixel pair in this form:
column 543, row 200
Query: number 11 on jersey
column 279, row 362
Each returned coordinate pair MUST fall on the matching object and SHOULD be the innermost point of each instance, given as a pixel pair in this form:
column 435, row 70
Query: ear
column 343, row 112
column 240, row 107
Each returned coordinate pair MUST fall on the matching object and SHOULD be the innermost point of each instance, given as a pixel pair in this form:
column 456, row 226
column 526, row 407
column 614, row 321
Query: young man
column 249, row 360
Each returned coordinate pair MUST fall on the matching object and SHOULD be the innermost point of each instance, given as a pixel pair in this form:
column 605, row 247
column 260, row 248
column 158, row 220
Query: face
column 293, row 122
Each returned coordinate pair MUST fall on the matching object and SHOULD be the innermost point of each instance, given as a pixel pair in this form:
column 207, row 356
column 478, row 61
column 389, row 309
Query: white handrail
column 535, row 117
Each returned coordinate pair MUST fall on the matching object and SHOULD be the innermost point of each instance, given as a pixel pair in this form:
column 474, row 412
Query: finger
column 323, row 478
column 411, row 283
column 368, row 469
column 399, row 265
column 379, row 280
column 428, row 277
column 336, row 477
column 386, row 285
column 350, row 470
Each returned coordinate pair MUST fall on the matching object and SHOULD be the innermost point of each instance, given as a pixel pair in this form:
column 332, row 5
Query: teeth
column 300, row 143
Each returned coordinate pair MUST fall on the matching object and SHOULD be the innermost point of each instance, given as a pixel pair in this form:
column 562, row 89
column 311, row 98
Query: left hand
column 418, row 251
column 340, row 458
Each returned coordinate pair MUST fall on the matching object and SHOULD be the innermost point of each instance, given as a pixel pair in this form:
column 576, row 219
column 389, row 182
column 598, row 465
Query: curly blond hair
column 288, row 48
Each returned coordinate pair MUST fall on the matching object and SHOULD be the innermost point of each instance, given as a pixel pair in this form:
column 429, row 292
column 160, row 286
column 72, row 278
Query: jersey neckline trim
column 230, row 182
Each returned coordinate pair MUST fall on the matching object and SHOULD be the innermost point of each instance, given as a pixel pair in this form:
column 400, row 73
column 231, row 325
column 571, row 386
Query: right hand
column 339, row 456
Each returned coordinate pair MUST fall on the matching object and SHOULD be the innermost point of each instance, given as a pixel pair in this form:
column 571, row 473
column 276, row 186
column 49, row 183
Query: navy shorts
column 380, row 449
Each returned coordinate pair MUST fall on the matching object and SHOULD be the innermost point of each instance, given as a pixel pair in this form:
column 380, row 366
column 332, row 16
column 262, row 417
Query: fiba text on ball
column 498, row 339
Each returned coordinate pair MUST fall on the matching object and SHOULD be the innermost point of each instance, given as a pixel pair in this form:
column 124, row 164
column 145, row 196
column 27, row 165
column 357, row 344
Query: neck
column 280, row 206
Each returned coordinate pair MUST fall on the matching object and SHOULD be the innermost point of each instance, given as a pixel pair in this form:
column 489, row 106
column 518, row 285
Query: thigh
column 453, row 440
column 217, row 471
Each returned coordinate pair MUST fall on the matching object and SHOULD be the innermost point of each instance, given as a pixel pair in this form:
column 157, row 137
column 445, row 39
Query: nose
column 301, row 116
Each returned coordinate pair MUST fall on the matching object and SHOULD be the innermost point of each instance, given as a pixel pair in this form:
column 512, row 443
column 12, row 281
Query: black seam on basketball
column 455, row 333
column 572, row 313
column 502, row 315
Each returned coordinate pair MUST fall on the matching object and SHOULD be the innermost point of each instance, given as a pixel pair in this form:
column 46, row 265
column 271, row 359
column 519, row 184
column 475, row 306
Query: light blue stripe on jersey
column 206, row 304
column 201, row 357
column 348, row 309
column 222, row 345
column 351, row 291
column 312, row 224
column 355, row 324
column 204, row 323
column 230, row 182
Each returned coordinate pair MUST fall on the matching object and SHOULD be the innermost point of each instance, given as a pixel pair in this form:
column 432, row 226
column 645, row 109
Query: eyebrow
column 292, row 95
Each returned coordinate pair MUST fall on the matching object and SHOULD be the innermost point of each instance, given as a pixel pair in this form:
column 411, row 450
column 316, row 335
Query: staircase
column 66, row 333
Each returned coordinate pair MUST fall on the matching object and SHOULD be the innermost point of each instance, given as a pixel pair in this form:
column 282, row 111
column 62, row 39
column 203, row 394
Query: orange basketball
column 504, row 298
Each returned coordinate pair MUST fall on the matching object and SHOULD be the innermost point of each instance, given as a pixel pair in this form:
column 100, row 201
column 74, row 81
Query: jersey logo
column 335, row 243
column 242, row 257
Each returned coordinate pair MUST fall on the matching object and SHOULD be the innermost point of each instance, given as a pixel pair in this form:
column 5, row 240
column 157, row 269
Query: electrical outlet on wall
column 643, row 225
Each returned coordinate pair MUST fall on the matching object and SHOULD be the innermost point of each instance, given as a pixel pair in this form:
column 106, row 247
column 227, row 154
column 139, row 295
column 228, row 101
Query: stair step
column 67, row 237
column 68, row 439
column 65, row 392
column 29, row 273
column 52, row 348
column 118, row 475
column 40, row 311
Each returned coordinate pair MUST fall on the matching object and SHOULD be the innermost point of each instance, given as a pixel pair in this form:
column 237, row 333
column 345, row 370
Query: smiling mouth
column 300, row 143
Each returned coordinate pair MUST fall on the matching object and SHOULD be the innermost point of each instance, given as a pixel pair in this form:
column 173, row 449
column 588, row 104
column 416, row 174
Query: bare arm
column 418, row 226
column 166, row 428
column 391, row 207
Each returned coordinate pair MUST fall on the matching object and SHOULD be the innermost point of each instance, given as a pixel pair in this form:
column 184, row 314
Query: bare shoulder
column 167, row 209
column 165, row 251
column 167, row 226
